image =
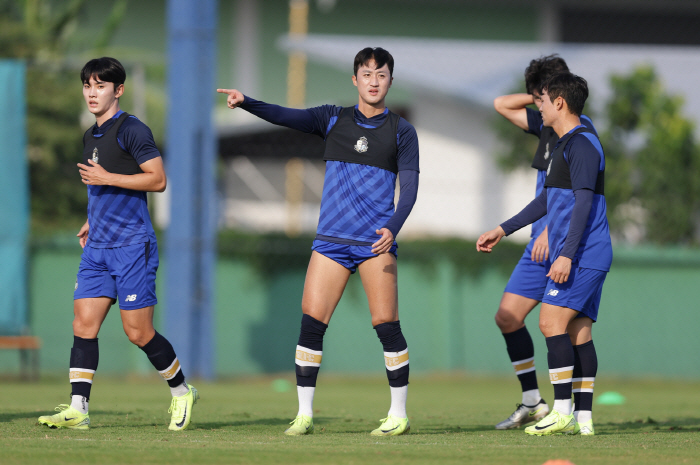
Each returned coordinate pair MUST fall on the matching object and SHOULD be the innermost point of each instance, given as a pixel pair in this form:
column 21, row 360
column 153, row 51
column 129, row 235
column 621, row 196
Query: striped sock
column 307, row 360
column 162, row 356
column 522, row 355
column 585, row 370
column 561, row 367
column 396, row 363
column 84, row 358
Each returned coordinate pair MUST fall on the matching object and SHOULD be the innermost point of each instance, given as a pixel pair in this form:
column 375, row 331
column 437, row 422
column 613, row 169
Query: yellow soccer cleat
column 392, row 426
column 585, row 428
column 67, row 417
column 181, row 409
column 554, row 423
column 301, row 425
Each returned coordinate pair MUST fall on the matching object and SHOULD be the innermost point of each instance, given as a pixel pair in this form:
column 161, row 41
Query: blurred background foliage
column 652, row 183
column 39, row 32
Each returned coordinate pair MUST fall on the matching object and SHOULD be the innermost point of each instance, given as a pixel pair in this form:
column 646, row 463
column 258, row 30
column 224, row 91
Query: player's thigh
column 88, row 315
column 134, row 267
column 138, row 325
column 555, row 320
column 379, row 279
column 580, row 330
column 512, row 311
column 324, row 285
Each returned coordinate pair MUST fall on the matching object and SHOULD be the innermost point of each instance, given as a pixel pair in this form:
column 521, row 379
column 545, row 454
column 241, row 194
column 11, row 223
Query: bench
column 28, row 347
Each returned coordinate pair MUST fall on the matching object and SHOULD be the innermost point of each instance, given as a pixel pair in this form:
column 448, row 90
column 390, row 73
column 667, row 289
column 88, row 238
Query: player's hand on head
column 560, row 270
column 234, row 99
column 383, row 245
column 489, row 239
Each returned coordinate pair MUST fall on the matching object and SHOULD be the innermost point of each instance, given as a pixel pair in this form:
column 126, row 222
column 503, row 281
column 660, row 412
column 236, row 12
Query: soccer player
column 579, row 244
column 366, row 147
column 528, row 281
column 120, row 254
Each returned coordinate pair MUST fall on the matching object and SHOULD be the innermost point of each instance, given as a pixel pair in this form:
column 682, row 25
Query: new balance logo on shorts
column 130, row 298
column 553, row 292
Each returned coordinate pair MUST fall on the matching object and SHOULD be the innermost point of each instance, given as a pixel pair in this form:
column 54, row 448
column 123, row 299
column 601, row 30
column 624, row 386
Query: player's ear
column 119, row 91
column 391, row 81
column 354, row 80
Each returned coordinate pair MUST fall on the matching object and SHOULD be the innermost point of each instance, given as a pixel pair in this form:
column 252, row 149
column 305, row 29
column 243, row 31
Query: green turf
column 452, row 420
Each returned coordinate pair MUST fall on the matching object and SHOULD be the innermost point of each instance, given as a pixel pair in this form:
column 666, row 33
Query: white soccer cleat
column 525, row 414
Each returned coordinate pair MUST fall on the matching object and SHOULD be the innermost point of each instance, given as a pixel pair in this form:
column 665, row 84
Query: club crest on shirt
column 361, row 145
column 95, row 155
column 546, row 152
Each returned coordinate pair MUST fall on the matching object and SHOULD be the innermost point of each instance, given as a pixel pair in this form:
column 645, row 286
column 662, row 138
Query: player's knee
column 85, row 328
column 507, row 322
column 138, row 336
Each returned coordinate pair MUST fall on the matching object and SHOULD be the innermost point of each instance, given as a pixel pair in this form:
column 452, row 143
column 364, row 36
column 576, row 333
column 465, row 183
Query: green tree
column 38, row 32
column 653, row 161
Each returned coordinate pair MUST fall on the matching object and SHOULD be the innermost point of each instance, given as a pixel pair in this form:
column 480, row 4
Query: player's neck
column 370, row 110
column 108, row 114
column 565, row 124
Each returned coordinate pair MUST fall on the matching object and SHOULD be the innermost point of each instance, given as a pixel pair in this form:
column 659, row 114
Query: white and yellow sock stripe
column 583, row 385
column 524, row 366
column 396, row 360
column 561, row 375
column 305, row 357
column 81, row 375
column 171, row 371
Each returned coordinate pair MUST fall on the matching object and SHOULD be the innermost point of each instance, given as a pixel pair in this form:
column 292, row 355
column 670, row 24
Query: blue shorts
column 529, row 278
column 126, row 272
column 581, row 292
column 347, row 255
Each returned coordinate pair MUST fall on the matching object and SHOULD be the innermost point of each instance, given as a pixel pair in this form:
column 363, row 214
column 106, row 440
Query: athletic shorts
column 347, row 255
column 581, row 292
column 529, row 278
column 128, row 273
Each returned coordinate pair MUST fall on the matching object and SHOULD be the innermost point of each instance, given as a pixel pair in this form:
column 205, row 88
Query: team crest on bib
column 546, row 152
column 95, row 155
column 361, row 145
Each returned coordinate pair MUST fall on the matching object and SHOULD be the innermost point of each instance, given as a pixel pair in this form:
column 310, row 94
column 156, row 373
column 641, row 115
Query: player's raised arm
column 512, row 107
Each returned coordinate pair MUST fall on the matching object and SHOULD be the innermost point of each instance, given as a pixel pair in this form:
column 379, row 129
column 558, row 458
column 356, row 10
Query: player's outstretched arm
column 513, row 108
column 488, row 240
column 152, row 179
column 234, row 98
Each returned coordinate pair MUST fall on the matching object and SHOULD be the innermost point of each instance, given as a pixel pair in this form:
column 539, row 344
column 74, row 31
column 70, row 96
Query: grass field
column 452, row 420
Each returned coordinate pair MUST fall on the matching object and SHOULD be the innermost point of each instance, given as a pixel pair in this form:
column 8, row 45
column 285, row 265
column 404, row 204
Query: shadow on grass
column 674, row 425
column 224, row 424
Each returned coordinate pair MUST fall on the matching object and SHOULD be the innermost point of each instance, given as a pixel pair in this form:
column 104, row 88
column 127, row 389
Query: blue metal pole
column 190, row 161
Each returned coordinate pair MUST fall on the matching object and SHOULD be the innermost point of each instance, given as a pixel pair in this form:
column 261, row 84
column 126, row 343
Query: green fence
column 647, row 323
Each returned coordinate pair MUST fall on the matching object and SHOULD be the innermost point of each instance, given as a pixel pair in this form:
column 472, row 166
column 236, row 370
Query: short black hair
column 573, row 89
column 106, row 68
column 541, row 69
column 380, row 56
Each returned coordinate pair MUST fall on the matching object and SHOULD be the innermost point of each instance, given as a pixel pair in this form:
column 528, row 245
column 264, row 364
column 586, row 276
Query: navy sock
column 84, row 357
column 561, row 365
column 162, row 356
column 395, row 353
column 585, row 370
column 522, row 355
column 309, row 352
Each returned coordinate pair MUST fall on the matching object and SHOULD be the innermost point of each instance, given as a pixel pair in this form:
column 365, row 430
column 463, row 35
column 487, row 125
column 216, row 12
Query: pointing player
column 366, row 147
column 579, row 243
column 529, row 278
column 120, row 254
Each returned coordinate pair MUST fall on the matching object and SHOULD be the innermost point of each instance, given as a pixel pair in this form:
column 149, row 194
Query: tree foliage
column 653, row 160
column 38, row 31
